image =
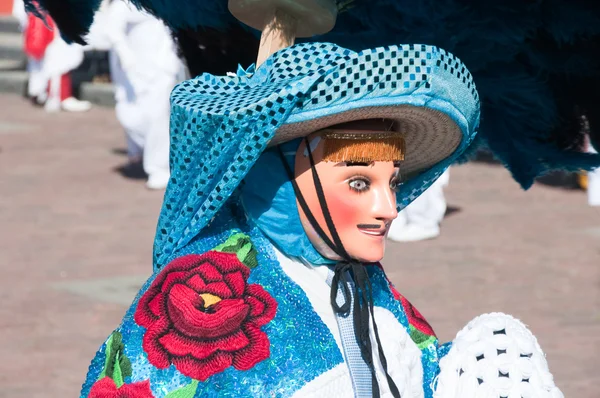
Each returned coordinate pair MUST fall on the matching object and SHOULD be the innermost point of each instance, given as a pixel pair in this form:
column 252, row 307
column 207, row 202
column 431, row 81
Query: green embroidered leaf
column 232, row 244
column 421, row 339
column 243, row 251
column 184, row 392
column 117, row 375
column 250, row 259
column 114, row 348
column 125, row 365
column 108, row 356
column 241, row 245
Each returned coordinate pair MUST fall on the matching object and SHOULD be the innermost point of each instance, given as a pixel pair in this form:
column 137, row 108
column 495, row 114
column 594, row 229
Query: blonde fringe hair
column 363, row 147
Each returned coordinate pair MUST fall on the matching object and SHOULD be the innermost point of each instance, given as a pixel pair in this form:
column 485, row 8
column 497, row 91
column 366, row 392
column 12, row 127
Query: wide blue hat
column 221, row 125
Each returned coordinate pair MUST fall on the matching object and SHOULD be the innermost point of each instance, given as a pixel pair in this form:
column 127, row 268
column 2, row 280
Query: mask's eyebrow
column 350, row 164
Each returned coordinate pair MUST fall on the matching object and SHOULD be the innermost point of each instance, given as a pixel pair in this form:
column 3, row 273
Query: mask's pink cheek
column 345, row 211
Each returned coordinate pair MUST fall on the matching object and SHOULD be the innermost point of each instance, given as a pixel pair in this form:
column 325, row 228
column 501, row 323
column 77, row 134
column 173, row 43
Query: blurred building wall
column 6, row 7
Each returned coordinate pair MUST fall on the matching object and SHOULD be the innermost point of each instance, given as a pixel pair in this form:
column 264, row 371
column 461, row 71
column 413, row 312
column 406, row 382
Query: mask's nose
column 384, row 205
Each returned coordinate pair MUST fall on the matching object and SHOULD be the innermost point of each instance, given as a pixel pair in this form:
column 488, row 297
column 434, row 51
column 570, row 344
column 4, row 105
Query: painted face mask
column 359, row 174
column 348, row 176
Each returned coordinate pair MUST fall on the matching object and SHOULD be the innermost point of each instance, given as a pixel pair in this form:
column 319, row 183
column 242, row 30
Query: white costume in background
column 37, row 84
column 144, row 68
column 97, row 38
column 593, row 189
column 421, row 219
column 45, row 74
column 19, row 13
column 61, row 58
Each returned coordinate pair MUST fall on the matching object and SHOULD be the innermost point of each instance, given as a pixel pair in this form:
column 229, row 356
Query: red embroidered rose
column 203, row 316
column 106, row 388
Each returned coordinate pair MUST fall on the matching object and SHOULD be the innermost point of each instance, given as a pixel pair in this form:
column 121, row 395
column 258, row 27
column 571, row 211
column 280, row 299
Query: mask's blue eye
column 359, row 184
column 394, row 185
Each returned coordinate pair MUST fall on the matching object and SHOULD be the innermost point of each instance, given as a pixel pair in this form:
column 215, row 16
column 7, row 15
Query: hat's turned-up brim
column 430, row 135
column 221, row 125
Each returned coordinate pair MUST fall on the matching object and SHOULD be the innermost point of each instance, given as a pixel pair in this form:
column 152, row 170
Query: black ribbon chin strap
column 346, row 271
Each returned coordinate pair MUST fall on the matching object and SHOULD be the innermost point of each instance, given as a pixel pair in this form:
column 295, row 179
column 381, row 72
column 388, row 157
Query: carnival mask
column 359, row 174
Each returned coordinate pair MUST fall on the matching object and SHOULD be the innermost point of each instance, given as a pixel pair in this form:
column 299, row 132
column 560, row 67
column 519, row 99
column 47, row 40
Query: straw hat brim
column 430, row 135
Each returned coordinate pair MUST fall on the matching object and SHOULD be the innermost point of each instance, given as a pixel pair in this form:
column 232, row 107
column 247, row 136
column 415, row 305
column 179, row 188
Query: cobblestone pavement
column 76, row 241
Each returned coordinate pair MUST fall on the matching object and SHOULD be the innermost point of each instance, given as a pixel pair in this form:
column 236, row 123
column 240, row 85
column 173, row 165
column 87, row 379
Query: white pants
column 593, row 184
column 428, row 209
column 156, row 147
column 37, row 85
column 145, row 117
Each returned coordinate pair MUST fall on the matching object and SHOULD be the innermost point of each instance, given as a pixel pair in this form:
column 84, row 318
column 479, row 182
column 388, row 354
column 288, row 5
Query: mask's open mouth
column 373, row 229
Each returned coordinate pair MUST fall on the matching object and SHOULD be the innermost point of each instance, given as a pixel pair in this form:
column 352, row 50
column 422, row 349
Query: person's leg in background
column 156, row 147
column 60, row 96
column 54, row 94
column 37, row 85
column 593, row 188
column 421, row 219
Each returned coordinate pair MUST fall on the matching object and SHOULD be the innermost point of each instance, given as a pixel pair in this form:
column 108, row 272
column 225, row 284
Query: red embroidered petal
column 203, row 369
column 257, row 307
column 415, row 318
column 395, row 292
column 263, row 306
column 258, row 349
column 236, row 282
column 209, row 272
column 225, row 317
column 179, row 345
column 143, row 316
column 171, row 279
column 196, row 282
column 136, row 390
column 228, row 263
column 155, row 305
column 219, row 289
column 184, row 263
column 104, row 388
column 157, row 355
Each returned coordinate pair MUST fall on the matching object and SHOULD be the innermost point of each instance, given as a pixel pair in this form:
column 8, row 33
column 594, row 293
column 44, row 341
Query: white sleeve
column 495, row 355
column 118, row 16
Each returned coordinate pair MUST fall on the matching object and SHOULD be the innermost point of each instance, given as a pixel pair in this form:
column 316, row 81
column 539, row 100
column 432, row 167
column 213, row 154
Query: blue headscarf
column 269, row 201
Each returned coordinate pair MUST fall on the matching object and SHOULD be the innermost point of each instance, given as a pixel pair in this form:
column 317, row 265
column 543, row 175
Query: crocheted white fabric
column 495, row 355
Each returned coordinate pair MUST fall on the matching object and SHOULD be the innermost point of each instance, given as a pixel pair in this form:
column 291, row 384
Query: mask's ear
column 73, row 17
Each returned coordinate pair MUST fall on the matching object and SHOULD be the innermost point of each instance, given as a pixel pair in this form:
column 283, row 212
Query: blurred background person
column 37, row 85
column 421, row 219
column 144, row 68
column 49, row 61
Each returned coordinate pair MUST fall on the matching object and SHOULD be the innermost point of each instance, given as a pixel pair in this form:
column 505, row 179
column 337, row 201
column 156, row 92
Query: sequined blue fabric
column 221, row 125
column 302, row 347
